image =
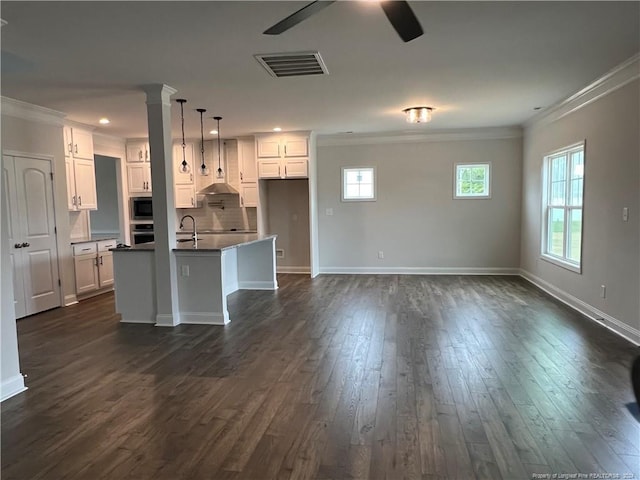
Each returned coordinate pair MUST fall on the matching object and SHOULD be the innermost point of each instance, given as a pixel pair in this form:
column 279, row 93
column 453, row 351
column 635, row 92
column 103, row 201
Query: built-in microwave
column 141, row 208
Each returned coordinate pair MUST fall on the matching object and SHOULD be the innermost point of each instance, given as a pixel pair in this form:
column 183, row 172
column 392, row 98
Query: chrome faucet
column 195, row 233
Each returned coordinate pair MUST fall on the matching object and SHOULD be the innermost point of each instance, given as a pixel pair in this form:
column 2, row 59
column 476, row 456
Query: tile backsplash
column 212, row 217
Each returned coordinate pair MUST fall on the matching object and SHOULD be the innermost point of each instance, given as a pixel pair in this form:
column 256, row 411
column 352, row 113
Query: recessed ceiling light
column 104, row 121
column 277, row 129
column 213, row 132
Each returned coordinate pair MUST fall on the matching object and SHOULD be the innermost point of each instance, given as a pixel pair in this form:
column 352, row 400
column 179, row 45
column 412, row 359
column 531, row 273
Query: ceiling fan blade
column 403, row 19
column 295, row 18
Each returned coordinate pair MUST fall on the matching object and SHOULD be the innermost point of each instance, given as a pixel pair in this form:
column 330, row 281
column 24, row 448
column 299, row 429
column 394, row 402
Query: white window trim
column 472, row 197
column 544, row 220
column 375, row 184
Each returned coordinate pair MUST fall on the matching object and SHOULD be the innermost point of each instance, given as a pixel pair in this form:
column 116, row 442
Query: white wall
column 288, row 217
column 415, row 221
column 107, row 218
column 611, row 247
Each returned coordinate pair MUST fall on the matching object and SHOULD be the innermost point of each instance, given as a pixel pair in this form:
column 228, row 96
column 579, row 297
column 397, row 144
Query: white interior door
column 11, row 201
column 36, row 260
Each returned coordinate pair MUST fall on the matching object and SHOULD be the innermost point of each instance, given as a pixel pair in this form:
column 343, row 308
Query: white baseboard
column 418, row 271
column 12, row 386
column 301, row 270
column 70, row 300
column 258, row 285
column 197, row 318
column 165, row 320
column 622, row 329
column 147, row 321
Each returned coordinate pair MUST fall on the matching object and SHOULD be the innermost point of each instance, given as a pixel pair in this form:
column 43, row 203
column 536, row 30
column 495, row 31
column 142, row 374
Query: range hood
column 218, row 189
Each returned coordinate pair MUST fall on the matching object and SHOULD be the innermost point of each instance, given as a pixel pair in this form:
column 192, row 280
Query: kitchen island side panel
column 135, row 288
column 257, row 265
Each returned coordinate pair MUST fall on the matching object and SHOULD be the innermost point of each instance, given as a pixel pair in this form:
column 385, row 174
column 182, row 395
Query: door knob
column 25, row 245
column 18, row 245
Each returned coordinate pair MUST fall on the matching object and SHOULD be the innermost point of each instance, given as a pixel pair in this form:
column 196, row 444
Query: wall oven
column 141, row 233
column 141, row 208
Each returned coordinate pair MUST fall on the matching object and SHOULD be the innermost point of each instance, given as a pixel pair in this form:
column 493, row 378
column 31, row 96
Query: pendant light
column 219, row 172
column 204, row 170
column 184, row 166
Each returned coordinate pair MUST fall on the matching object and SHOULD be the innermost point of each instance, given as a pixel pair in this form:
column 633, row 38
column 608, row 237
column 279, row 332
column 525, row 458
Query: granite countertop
column 213, row 243
column 96, row 237
column 214, row 232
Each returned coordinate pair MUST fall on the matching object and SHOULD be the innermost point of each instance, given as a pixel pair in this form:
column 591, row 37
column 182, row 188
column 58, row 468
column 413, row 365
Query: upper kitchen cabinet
column 138, row 151
column 283, row 156
column 247, row 167
column 80, row 169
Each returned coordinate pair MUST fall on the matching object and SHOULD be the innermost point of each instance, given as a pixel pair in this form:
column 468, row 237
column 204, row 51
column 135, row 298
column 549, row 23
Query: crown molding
column 614, row 79
column 495, row 133
column 27, row 111
column 104, row 141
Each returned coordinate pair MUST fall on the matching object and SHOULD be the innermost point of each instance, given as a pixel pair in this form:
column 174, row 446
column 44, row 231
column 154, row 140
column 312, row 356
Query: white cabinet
column 94, row 266
column 80, row 170
column 138, row 151
column 181, row 177
column 139, row 177
column 283, row 156
column 78, row 143
column 185, row 196
column 249, row 195
column 247, row 167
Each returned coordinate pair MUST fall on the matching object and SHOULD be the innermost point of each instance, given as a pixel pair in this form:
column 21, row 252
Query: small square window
column 472, row 180
column 358, row 184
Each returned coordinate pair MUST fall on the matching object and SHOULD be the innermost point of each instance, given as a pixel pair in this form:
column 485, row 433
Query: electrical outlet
column 625, row 214
column 380, row 254
column 184, row 270
column 603, row 291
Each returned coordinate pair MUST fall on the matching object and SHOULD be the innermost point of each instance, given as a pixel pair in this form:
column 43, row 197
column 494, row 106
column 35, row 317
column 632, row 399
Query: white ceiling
column 479, row 64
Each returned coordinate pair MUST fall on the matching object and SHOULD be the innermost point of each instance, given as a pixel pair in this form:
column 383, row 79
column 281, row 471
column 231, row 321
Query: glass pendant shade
column 184, row 166
column 203, row 170
column 219, row 171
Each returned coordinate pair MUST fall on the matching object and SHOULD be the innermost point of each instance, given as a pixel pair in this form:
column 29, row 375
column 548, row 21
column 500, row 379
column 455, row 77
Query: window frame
column 489, row 174
column 343, row 177
column 562, row 261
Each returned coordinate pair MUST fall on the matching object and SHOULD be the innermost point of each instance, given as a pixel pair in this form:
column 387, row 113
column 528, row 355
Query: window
column 473, row 180
column 564, row 187
column 358, row 184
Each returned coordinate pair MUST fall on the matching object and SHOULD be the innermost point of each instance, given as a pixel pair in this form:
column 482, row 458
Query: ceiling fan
column 398, row 12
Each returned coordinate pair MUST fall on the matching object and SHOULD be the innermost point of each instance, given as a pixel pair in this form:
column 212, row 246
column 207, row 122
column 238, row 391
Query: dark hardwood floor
column 419, row 377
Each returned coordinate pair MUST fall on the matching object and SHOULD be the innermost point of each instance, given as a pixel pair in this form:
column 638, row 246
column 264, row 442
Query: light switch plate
column 625, row 214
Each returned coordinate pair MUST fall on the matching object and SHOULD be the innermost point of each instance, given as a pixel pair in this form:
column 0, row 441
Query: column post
column 164, row 214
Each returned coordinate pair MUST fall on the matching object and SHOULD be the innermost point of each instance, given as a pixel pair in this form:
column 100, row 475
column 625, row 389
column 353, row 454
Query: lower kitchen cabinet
column 94, row 267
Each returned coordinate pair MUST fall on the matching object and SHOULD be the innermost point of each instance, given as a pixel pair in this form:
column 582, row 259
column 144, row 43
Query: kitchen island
column 207, row 271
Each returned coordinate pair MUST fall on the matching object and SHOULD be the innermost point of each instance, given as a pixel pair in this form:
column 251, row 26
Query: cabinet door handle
column 191, row 177
column 26, row 244
column 140, row 155
column 242, row 201
column 241, row 176
column 76, row 148
column 70, row 148
column 73, row 200
column 101, row 260
column 96, row 261
column 192, row 204
column 17, row 245
column 146, row 155
column 278, row 170
column 79, row 199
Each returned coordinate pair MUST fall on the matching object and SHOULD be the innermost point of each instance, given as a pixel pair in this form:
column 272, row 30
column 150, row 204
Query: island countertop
column 210, row 243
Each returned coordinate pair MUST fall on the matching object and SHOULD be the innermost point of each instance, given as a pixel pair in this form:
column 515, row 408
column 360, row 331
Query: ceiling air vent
column 293, row 64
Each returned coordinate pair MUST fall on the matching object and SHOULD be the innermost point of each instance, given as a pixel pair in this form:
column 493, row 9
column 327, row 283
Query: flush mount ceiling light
column 277, row 129
column 418, row 114
column 104, row 121
column 204, row 170
column 184, row 166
